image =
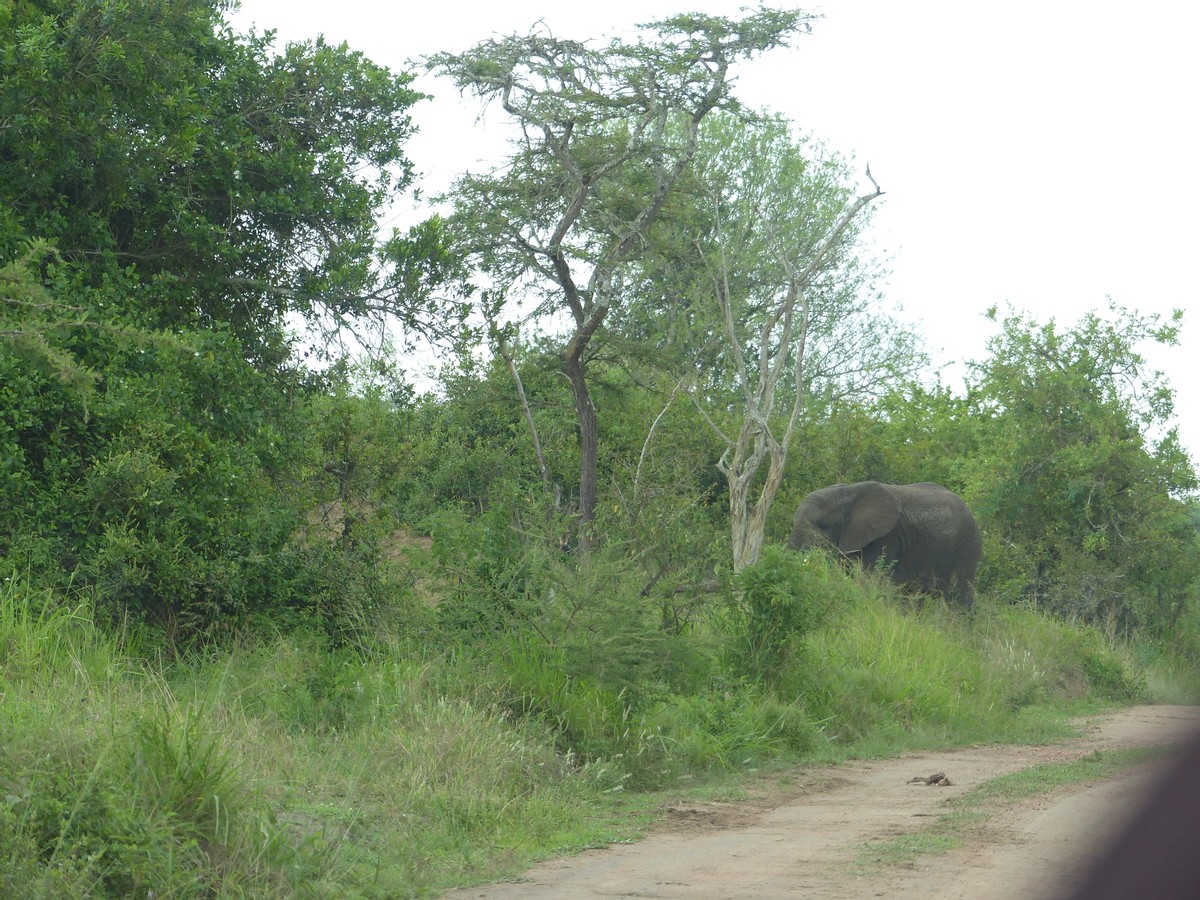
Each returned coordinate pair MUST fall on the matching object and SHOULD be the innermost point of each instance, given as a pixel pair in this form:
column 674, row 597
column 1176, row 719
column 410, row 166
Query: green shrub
column 776, row 604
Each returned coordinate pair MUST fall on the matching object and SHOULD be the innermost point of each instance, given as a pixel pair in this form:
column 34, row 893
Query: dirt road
column 809, row 842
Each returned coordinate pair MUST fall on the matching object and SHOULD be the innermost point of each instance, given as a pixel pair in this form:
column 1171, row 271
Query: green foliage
column 507, row 572
column 155, row 485
column 472, row 451
column 208, row 180
column 776, row 604
column 30, row 325
column 362, row 428
column 732, row 729
column 110, row 787
column 923, row 433
column 1080, row 503
column 170, row 478
column 168, row 192
column 472, row 442
column 489, row 568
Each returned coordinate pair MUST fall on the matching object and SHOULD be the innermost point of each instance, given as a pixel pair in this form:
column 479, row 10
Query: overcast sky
column 1038, row 153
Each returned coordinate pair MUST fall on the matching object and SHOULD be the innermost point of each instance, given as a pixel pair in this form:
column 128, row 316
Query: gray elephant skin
column 923, row 533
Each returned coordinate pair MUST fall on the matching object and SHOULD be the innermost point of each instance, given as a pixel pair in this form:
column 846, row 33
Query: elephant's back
column 938, row 510
column 927, row 493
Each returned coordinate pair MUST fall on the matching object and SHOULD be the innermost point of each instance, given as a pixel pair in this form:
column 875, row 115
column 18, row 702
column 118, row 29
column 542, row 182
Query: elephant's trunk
column 805, row 537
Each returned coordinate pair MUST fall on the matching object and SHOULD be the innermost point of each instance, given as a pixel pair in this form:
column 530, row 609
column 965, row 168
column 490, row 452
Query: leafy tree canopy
column 1081, row 465
column 213, row 181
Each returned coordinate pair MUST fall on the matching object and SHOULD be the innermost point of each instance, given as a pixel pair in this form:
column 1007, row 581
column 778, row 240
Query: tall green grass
column 291, row 766
column 110, row 786
column 887, row 674
column 379, row 762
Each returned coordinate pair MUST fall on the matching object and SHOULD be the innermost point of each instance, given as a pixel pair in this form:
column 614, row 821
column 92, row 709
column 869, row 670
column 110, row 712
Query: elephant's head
column 846, row 516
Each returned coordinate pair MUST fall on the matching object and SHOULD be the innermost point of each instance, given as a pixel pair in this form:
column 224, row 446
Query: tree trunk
column 747, row 543
column 748, row 521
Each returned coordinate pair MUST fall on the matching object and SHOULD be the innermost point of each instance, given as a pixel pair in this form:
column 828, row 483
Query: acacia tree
column 603, row 137
column 766, row 286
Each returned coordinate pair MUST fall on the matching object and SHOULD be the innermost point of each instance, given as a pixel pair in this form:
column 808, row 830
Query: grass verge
column 291, row 766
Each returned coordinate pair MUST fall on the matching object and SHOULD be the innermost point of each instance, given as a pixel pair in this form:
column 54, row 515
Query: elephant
column 923, row 532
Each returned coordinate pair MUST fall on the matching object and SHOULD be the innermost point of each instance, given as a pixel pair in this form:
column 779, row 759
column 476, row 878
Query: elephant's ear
column 873, row 512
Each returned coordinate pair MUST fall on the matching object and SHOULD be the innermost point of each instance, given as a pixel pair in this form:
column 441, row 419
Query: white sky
column 1038, row 152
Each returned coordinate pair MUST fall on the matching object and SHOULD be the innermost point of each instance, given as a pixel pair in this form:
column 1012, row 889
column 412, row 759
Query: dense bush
column 170, row 480
column 776, row 604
